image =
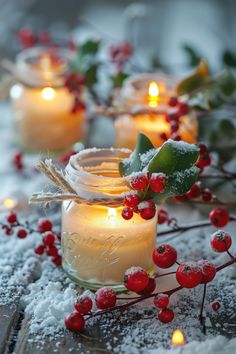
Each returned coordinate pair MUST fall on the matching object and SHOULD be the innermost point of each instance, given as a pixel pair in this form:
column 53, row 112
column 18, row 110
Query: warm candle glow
column 153, row 93
column 45, row 62
column 178, row 338
column 111, row 215
column 48, row 93
column 9, row 203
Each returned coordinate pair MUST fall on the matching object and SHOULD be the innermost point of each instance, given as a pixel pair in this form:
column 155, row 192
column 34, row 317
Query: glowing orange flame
column 178, row 338
column 153, row 93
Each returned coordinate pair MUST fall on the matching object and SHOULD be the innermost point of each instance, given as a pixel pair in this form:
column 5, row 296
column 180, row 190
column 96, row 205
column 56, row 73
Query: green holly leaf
column 134, row 163
column 229, row 58
column 91, row 75
column 193, row 56
column 119, row 79
column 90, row 47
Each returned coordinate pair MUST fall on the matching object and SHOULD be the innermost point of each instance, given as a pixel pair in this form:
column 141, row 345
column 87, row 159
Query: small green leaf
column 134, row 164
column 119, row 79
column 229, row 58
column 173, row 156
column 91, row 75
column 90, row 47
column 193, row 56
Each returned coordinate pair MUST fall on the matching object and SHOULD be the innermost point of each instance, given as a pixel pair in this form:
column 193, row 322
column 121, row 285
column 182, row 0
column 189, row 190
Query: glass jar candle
column 42, row 105
column 98, row 245
column 144, row 92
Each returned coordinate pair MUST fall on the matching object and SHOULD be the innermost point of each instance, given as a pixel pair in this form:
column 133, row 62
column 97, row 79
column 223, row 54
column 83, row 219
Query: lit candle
column 144, row 93
column 42, row 105
column 98, row 244
column 7, row 204
column 178, row 338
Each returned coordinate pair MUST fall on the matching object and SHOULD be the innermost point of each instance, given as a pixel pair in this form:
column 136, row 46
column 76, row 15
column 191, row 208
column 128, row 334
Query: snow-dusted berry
column 166, row 315
column 83, row 304
column 162, row 216
column 221, row 241
column 75, row 322
column 131, row 200
column 136, row 279
column 189, row 274
column 105, row 298
column 161, row 301
column 44, row 225
column 139, row 181
column 147, row 209
column 164, row 256
column 127, row 213
column 158, row 182
column 208, row 271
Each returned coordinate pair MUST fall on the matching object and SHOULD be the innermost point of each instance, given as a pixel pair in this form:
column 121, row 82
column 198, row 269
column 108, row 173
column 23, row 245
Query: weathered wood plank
column 9, row 315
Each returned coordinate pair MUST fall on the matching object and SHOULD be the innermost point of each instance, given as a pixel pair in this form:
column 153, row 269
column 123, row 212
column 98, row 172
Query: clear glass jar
column 134, row 94
column 42, row 106
column 98, row 245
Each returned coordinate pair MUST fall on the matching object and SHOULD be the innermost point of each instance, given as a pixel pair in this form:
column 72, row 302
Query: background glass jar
column 98, row 245
column 135, row 94
column 42, row 106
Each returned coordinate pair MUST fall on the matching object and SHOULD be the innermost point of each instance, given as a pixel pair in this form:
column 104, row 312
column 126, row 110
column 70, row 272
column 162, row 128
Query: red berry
column 127, row 213
column 147, row 209
column 220, row 241
column 26, row 38
column 208, row 271
column 195, row 191
column 166, row 315
column 203, row 148
column 17, row 160
column 49, row 239
column 39, row 250
column 139, row 181
column 204, row 160
column 189, row 274
column 131, row 200
column 44, row 225
column 75, row 322
column 158, row 182
column 173, row 101
column 172, row 114
column 183, row 108
column 161, row 301
column 136, row 279
column 181, row 198
column 22, row 233
column 215, row 306
column 149, row 288
column 175, row 137
column 12, row 218
column 206, row 195
column 164, row 256
column 163, row 136
column 174, row 126
column 8, row 231
column 57, row 260
column 44, row 37
column 162, row 216
column 51, row 251
column 83, row 304
column 219, row 217
column 105, row 298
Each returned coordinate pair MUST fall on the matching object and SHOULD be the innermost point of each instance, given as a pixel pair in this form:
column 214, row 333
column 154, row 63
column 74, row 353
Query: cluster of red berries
column 28, row 38
column 74, row 82
column 204, row 159
column 17, row 161
column 141, row 183
column 177, row 109
column 196, row 191
column 120, row 54
column 51, row 242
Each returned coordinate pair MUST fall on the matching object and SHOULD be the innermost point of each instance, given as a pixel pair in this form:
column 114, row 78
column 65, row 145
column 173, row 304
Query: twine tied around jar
column 56, row 176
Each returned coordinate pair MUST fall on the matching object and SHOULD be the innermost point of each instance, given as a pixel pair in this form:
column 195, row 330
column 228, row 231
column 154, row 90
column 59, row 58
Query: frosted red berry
column 172, row 114
column 12, row 218
column 139, row 181
column 18, row 160
column 208, row 271
column 221, row 241
column 22, row 233
column 149, row 288
column 75, row 322
column 206, row 195
column 163, row 136
column 173, row 101
column 131, row 200
column 164, row 256
column 83, row 304
column 183, row 108
column 189, row 275
column 57, row 260
column 161, row 301
column 158, row 182
column 44, row 225
column 105, row 298
column 127, row 213
column 219, row 217
column 215, row 306
column 136, row 279
column 166, row 315
column 162, row 216
column 204, row 160
column 203, row 148
column 147, row 209
column 49, row 239
column 195, row 191
column 39, row 250
column 51, row 251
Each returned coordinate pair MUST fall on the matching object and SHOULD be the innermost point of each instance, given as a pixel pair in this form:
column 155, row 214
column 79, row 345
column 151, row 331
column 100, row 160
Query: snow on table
column 35, row 296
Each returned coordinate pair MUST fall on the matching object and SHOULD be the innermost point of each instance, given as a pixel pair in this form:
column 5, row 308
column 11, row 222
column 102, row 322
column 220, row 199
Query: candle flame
column 178, row 338
column 153, row 93
column 48, row 93
column 111, row 215
column 9, row 203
